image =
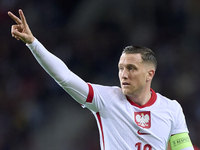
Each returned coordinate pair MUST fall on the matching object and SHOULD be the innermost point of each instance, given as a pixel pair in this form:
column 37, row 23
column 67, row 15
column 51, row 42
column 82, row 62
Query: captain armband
column 180, row 141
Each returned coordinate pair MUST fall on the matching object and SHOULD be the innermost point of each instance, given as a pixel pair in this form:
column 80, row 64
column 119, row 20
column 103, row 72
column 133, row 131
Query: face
column 134, row 74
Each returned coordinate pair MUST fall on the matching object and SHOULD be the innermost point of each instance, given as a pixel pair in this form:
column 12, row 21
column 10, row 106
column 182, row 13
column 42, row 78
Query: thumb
column 20, row 35
column 17, row 33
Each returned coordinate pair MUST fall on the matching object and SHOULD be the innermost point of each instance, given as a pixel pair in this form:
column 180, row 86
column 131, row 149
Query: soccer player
column 132, row 117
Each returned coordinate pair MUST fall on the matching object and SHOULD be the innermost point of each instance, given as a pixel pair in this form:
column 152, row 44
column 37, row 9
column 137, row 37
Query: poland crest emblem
column 143, row 119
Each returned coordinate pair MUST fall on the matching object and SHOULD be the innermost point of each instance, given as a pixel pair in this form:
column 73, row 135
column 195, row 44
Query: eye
column 131, row 68
column 121, row 68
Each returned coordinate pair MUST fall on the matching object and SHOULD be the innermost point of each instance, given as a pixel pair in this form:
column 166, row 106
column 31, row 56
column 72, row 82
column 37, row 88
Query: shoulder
column 171, row 109
column 106, row 89
column 169, row 103
column 103, row 96
column 107, row 93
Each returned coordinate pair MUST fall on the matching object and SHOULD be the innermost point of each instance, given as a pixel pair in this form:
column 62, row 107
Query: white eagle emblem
column 143, row 119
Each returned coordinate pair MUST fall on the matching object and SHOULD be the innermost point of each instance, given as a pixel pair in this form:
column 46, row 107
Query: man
column 130, row 117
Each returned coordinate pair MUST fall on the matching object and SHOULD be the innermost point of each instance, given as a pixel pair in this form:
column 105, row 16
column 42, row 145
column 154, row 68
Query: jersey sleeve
column 179, row 125
column 101, row 96
column 57, row 69
column 91, row 96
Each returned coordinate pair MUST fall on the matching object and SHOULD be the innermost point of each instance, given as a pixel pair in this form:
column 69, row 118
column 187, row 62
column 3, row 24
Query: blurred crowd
column 89, row 37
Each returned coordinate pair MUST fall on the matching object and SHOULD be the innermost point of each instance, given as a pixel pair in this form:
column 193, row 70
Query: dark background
column 89, row 36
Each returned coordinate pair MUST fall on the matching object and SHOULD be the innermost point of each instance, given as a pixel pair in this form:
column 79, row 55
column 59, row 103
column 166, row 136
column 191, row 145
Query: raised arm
column 55, row 67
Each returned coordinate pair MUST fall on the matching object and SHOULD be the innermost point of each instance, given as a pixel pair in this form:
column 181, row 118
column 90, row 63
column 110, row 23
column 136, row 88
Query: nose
column 124, row 74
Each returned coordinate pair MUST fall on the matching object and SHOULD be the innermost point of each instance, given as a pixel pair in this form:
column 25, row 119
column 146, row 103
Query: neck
column 141, row 97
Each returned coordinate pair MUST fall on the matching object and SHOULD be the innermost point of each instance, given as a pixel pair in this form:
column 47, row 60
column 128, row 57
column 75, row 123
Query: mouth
column 125, row 83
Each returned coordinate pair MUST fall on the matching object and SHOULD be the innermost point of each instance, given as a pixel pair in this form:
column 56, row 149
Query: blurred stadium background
column 89, row 35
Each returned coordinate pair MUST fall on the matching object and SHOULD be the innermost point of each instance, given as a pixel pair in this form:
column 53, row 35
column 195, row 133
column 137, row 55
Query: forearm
column 56, row 68
column 52, row 64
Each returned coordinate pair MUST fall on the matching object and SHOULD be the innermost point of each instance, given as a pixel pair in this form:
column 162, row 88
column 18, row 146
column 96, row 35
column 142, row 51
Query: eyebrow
column 128, row 65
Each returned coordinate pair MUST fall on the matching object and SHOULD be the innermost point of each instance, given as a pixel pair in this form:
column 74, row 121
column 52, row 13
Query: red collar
column 149, row 103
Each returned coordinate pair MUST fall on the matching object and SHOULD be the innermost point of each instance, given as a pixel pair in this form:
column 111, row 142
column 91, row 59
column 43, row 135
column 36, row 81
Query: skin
column 135, row 76
column 21, row 29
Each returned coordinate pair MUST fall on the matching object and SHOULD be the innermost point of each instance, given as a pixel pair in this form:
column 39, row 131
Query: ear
column 150, row 75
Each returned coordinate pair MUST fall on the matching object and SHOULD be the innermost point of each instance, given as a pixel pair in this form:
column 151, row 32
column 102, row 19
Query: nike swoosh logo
column 140, row 133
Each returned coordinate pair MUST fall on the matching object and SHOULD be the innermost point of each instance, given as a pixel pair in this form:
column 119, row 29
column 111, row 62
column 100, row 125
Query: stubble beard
column 131, row 91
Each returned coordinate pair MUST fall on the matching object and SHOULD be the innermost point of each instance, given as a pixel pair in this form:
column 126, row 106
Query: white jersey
column 123, row 125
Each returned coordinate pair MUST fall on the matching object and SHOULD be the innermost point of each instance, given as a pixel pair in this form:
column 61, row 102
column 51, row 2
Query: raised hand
column 21, row 30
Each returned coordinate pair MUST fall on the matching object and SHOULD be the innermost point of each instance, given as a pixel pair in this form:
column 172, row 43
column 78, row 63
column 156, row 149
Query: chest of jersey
column 148, row 126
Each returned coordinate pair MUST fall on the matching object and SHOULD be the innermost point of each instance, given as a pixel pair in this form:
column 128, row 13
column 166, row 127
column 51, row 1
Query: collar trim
column 149, row 103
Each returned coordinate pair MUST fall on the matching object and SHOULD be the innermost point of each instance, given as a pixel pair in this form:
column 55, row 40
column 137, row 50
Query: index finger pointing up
column 15, row 18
